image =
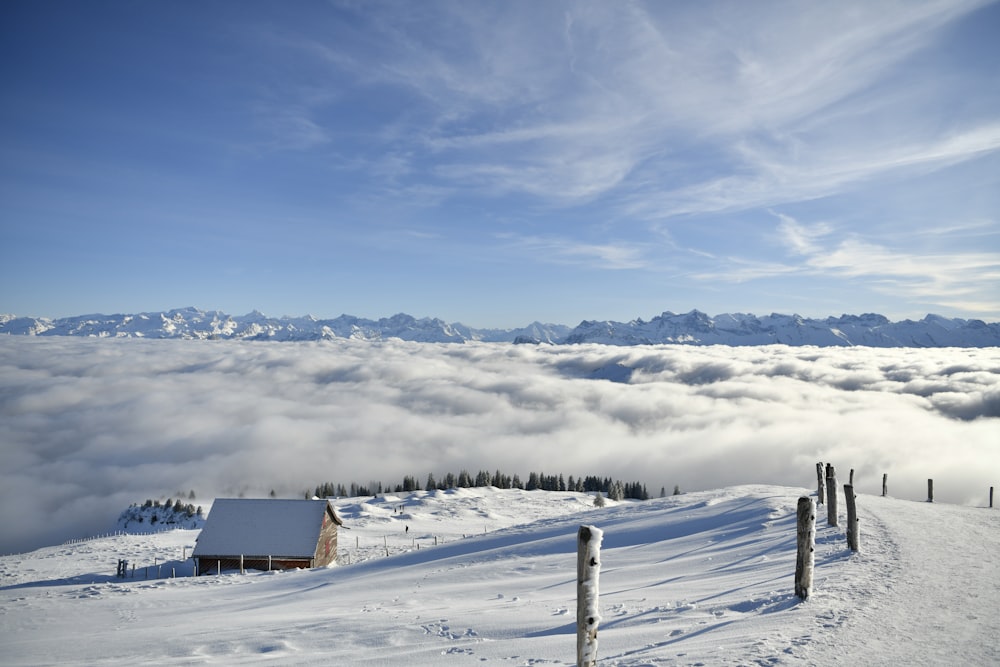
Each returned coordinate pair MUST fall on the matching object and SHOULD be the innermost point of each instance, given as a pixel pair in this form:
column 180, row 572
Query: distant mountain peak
column 692, row 328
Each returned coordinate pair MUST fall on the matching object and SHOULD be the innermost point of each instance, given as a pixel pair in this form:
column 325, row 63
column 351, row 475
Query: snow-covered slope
column 695, row 328
column 698, row 579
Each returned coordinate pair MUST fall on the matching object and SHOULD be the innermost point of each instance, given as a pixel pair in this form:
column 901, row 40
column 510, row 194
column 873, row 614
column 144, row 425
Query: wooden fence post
column 588, row 568
column 852, row 517
column 806, row 530
column 831, row 495
column 241, row 565
column 819, row 483
column 850, row 479
column 991, row 496
column 885, row 484
column 930, row 490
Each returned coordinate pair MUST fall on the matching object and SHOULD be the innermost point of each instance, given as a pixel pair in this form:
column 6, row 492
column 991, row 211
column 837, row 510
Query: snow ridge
column 693, row 328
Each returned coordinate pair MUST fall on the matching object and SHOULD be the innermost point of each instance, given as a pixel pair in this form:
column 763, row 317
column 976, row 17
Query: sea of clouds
column 88, row 426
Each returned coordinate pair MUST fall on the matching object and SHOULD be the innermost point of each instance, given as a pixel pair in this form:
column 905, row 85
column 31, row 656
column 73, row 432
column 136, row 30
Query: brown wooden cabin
column 267, row 534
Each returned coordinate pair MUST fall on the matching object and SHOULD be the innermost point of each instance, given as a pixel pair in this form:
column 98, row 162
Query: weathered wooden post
column 218, row 567
column 588, row 568
column 885, row 484
column 930, row 490
column 991, row 497
column 806, row 534
column 241, row 564
column 819, row 483
column 850, row 479
column 852, row 517
column 268, row 563
column 831, row 495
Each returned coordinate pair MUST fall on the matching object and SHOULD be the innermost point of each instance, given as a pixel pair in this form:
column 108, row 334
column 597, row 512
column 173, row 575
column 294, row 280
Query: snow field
column 700, row 579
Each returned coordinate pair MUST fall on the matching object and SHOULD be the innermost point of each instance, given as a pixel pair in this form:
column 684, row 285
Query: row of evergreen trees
column 612, row 488
column 172, row 507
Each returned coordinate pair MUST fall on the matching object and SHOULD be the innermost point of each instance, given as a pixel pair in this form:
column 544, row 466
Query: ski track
column 932, row 584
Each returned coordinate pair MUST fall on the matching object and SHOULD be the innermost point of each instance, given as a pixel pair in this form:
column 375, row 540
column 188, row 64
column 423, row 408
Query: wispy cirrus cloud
column 574, row 101
column 967, row 279
column 770, row 175
column 614, row 256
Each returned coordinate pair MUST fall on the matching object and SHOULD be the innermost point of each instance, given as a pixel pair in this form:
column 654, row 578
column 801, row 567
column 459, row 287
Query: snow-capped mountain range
column 693, row 328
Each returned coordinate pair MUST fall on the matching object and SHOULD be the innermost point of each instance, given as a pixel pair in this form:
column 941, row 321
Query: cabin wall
column 210, row 564
column 326, row 547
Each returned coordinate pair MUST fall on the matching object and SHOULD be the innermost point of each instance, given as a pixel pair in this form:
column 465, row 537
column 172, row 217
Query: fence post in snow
column 991, row 497
column 805, row 533
column 930, row 490
column 819, row 483
column 588, row 568
column 885, row 484
column 852, row 517
column 831, row 495
column 241, row 565
column 850, row 479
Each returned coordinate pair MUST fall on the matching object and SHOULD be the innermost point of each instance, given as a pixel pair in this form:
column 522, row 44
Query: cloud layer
column 89, row 426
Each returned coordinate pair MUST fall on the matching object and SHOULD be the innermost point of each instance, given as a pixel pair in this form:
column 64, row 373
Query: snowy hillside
column 697, row 579
column 694, row 328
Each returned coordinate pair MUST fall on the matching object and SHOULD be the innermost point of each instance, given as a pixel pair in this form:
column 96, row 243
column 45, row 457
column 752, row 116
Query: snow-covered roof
column 263, row 527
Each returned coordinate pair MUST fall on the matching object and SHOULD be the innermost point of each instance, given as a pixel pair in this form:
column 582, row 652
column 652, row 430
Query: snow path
column 938, row 602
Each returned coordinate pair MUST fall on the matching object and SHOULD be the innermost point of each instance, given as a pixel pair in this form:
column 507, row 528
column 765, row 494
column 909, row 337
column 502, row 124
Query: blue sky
column 496, row 163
